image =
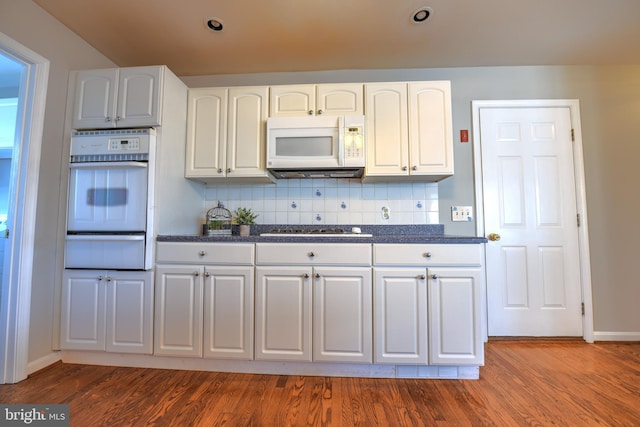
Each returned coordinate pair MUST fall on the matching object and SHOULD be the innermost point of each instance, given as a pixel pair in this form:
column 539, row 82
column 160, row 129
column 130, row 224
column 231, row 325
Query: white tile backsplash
column 330, row 201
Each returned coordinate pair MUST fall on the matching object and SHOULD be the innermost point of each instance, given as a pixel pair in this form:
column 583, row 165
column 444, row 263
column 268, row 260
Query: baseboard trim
column 43, row 362
column 616, row 336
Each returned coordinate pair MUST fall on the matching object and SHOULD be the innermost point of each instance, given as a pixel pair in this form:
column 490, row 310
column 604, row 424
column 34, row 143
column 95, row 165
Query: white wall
column 29, row 25
column 610, row 113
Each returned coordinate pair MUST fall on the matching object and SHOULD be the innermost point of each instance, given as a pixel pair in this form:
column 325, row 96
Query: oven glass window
column 107, row 197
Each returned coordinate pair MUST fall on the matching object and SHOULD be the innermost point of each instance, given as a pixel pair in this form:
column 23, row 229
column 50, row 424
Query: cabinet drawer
column 353, row 254
column 427, row 255
column 205, row 253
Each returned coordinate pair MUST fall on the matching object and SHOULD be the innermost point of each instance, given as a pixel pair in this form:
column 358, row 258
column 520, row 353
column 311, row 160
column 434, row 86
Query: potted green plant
column 245, row 218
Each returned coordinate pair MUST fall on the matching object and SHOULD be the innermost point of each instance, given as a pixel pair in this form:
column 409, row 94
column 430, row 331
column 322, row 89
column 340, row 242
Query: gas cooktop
column 310, row 232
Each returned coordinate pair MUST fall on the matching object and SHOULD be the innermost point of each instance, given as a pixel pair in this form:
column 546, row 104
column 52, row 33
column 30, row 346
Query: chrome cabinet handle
column 422, row 277
column 427, row 254
column 434, row 276
column 202, row 253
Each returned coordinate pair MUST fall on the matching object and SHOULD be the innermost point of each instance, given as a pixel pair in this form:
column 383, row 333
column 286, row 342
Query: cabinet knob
column 118, row 118
column 311, row 254
column 317, row 276
column 108, row 278
column 404, row 168
column 202, row 253
column 414, row 168
column 306, row 276
column 107, row 119
column 494, row 237
column 219, row 170
column 320, row 112
column 427, row 254
column 207, row 274
column 311, row 112
column 422, row 277
column 434, row 276
column 100, row 278
column 196, row 274
column 228, row 170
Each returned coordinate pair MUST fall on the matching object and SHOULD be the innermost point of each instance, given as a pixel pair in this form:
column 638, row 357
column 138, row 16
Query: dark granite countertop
column 432, row 233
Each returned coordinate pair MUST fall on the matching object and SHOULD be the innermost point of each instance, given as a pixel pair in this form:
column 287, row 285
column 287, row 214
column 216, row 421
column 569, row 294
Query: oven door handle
column 108, row 237
column 105, row 165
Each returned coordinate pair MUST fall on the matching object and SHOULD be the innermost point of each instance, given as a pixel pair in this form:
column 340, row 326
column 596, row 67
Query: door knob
column 494, row 237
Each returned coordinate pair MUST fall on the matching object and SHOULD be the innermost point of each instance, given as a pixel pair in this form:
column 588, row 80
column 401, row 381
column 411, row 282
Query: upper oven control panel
column 112, row 142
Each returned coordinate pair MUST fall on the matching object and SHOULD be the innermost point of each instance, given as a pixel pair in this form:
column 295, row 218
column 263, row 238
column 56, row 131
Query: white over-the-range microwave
column 316, row 146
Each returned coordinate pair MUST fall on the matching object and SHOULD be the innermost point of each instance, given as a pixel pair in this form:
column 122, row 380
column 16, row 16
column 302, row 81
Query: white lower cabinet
column 400, row 313
column 455, row 331
column 107, row 310
column 440, row 285
column 204, row 310
column 311, row 308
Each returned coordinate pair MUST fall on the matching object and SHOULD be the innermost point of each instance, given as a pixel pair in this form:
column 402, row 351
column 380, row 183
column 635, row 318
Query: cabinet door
column 228, row 312
column 95, row 95
column 292, row 100
column 129, row 315
column 342, row 315
column 387, row 138
column 139, row 94
column 206, row 132
column 430, row 130
column 455, row 335
column 339, row 99
column 283, row 313
column 400, row 316
column 178, row 311
column 247, row 115
column 83, row 310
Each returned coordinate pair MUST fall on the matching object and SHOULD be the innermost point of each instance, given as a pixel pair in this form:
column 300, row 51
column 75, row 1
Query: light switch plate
column 461, row 213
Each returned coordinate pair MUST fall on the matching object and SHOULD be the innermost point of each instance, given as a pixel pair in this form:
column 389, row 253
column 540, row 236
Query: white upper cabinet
column 305, row 100
column 226, row 133
column 409, row 130
column 118, row 98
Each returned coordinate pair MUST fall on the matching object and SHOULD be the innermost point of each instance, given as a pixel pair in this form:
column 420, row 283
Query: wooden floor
column 523, row 383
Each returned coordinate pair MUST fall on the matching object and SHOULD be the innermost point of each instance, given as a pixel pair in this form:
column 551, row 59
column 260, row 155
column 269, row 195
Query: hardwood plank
column 524, row 382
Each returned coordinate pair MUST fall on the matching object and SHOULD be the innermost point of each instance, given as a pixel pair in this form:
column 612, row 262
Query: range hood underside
column 317, row 173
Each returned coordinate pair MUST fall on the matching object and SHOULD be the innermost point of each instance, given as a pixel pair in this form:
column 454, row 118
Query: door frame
column 15, row 303
column 579, row 180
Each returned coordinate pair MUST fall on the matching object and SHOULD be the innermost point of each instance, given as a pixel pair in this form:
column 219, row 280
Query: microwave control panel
column 353, row 142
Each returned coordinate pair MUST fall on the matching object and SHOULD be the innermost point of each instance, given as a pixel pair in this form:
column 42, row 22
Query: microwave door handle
column 341, row 141
column 107, row 237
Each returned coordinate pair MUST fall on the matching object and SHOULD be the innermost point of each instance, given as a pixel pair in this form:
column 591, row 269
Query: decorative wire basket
column 218, row 221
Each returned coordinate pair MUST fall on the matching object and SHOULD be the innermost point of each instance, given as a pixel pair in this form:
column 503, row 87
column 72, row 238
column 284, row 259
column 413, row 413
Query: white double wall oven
column 109, row 207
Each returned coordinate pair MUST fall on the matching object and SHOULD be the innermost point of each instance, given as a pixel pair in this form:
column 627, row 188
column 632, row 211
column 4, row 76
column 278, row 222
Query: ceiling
column 314, row 35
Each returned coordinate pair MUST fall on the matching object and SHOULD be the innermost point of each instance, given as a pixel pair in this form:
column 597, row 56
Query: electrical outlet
column 461, row 213
column 386, row 212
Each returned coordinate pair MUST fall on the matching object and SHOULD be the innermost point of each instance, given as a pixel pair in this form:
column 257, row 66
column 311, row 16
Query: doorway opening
column 21, row 126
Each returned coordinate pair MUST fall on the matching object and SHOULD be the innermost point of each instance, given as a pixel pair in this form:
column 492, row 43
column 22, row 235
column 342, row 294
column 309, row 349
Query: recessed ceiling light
column 421, row 15
column 213, row 24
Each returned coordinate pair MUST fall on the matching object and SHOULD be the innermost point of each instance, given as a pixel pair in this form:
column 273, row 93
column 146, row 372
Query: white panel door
column 338, row 99
column 387, row 140
column 342, row 315
column 83, row 310
column 178, row 311
column 138, row 101
column 228, row 312
column 129, row 312
column 206, row 132
column 292, row 100
column 95, row 97
column 283, row 313
column 533, row 270
column 400, row 316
